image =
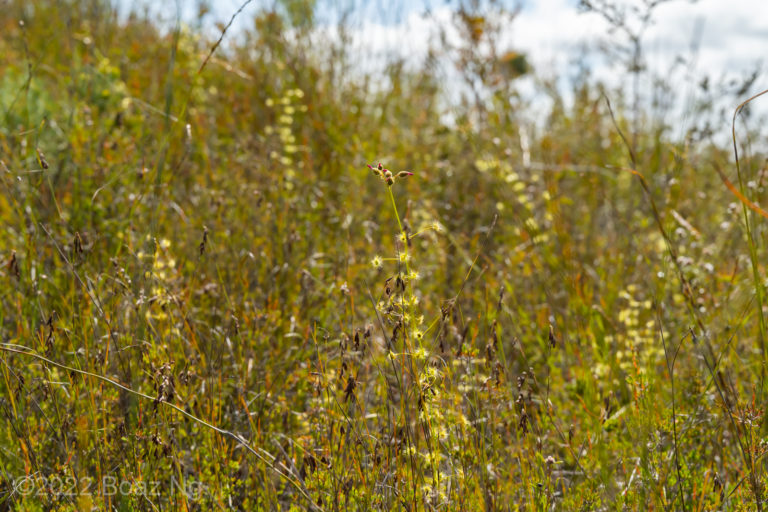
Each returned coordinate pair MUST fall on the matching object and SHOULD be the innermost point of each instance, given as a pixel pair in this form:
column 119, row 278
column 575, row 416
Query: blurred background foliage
column 199, row 226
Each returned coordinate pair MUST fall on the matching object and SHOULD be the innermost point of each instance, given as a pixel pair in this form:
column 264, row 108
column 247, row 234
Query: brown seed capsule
column 13, row 266
column 204, row 243
column 41, row 158
column 552, row 340
column 78, row 243
column 349, row 391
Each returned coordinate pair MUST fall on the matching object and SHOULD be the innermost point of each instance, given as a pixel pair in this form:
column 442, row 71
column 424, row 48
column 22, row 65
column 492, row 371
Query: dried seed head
column 78, row 243
column 349, row 391
column 523, row 423
column 386, row 175
column 13, row 266
column 204, row 243
column 41, row 158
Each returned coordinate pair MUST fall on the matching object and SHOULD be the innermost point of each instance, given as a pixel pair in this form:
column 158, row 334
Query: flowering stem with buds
column 404, row 238
column 408, row 319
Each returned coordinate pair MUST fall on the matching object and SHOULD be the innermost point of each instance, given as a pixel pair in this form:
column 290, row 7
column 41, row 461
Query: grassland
column 209, row 301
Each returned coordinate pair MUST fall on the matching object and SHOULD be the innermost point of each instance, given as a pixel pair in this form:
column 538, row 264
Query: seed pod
column 204, row 243
column 552, row 340
column 41, row 158
column 13, row 266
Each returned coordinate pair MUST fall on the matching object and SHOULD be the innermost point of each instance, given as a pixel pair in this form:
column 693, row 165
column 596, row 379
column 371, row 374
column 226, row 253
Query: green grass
column 208, row 300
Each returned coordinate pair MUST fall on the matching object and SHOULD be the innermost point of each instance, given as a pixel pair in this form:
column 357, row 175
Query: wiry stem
column 295, row 482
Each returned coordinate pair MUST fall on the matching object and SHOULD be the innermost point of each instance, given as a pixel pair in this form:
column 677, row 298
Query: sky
column 719, row 39
column 732, row 34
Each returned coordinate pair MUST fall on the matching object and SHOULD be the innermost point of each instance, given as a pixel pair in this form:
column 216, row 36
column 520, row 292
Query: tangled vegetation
column 215, row 297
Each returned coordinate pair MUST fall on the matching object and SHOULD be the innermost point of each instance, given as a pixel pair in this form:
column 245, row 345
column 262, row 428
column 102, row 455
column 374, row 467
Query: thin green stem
column 264, row 456
column 407, row 307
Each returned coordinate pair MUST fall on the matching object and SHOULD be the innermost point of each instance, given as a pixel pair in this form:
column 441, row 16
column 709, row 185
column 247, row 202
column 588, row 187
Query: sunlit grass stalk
column 408, row 349
column 408, row 319
column 752, row 243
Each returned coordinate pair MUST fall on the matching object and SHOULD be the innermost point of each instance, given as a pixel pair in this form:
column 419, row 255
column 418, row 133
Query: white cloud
column 730, row 40
column 732, row 37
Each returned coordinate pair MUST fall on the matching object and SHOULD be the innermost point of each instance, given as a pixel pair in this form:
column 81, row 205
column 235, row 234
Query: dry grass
column 209, row 302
